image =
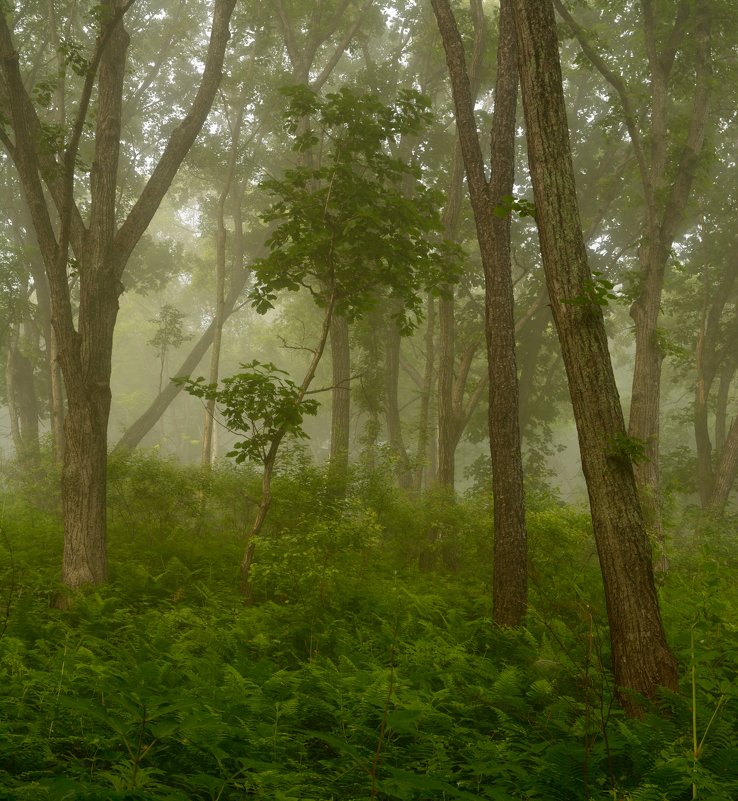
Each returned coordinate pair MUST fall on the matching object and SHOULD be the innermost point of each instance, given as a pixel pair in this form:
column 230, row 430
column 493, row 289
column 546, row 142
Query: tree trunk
column 22, row 402
column 725, row 473
column 510, row 578
column 220, row 282
column 102, row 251
column 341, row 403
column 448, row 435
column 510, row 568
column 641, row 658
column 666, row 192
column 426, row 392
column 393, row 343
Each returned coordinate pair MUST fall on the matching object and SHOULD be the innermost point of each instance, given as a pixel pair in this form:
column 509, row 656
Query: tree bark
column 642, row 660
column 510, row 567
column 666, row 198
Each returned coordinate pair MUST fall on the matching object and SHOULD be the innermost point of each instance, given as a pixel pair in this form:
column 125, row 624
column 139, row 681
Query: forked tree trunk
column 102, row 249
column 642, row 660
column 510, row 568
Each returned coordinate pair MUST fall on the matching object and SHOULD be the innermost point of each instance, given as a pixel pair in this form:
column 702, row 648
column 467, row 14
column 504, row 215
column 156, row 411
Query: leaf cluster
column 260, row 403
column 353, row 219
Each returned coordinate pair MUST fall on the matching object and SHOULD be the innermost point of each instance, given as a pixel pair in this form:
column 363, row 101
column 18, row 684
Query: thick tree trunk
column 102, row 250
column 340, row 403
column 641, row 658
column 510, row 568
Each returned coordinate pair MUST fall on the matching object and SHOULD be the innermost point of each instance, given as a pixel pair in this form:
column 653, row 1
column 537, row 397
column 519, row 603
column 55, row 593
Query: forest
column 369, row 402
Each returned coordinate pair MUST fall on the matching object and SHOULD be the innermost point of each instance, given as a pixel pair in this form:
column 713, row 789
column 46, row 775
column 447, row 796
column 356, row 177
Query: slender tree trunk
column 393, row 343
column 642, row 660
column 448, row 436
column 341, row 403
column 426, row 392
column 510, row 569
column 271, row 458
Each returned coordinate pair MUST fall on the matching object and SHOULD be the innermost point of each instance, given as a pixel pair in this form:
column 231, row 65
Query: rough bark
column 666, row 198
column 493, row 233
column 642, row 660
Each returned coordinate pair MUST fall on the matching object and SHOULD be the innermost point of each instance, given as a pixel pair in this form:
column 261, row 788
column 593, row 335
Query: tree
column 668, row 157
column 493, row 233
column 49, row 166
column 313, row 42
column 346, row 232
column 642, row 660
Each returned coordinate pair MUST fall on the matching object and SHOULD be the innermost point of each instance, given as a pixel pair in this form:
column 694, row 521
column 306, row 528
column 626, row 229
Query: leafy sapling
column 257, row 404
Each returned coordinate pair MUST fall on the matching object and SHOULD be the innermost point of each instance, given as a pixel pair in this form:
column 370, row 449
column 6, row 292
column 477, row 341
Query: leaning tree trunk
column 642, row 660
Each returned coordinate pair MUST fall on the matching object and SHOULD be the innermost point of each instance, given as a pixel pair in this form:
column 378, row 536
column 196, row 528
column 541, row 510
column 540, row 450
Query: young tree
column 48, row 164
column 642, row 660
column 346, row 232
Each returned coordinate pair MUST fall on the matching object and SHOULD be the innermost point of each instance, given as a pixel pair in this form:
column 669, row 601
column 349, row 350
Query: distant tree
column 642, row 660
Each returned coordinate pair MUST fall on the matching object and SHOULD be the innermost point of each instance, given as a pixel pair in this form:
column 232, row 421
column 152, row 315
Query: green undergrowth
column 368, row 667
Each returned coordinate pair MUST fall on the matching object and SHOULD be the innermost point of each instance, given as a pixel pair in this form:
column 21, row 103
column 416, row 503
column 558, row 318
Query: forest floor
column 367, row 668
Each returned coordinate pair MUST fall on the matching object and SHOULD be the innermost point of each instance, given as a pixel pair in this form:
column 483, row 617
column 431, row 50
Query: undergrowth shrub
column 369, row 668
